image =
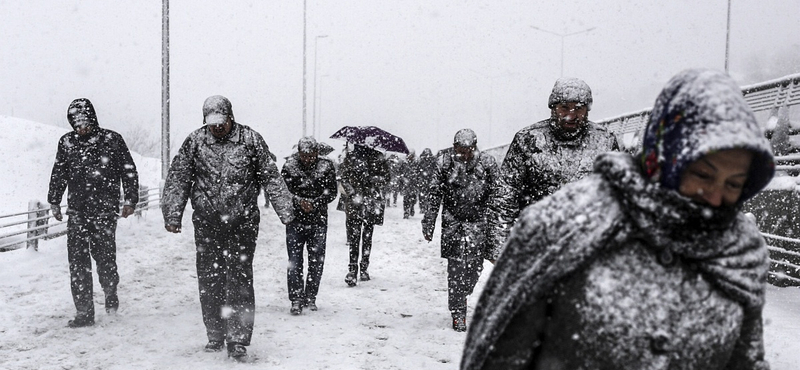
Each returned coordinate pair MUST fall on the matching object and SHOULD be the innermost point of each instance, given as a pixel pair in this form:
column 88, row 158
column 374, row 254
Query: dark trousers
column 409, row 200
column 89, row 238
column 312, row 237
column 462, row 275
column 359, row 233
column 225, row 280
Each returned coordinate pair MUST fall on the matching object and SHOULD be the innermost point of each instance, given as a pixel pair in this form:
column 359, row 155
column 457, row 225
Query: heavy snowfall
column 398, row 320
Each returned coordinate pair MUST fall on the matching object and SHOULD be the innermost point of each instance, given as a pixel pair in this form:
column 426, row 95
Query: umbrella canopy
column 372, row 137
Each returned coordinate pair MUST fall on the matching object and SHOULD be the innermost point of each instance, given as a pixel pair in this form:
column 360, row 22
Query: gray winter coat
column 614, row 272
column 223, row 177
column 539, row 161
column 463, row 190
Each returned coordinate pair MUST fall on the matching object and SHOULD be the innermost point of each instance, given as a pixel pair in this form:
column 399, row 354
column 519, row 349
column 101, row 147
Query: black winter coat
column 316, row 184
column 93, row 167
column 364, row 173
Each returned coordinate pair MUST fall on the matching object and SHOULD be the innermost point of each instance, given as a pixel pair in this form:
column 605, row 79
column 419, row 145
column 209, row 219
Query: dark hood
column 81, row 110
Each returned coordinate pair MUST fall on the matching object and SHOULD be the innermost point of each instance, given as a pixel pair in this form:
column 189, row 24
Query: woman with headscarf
column 648, row 263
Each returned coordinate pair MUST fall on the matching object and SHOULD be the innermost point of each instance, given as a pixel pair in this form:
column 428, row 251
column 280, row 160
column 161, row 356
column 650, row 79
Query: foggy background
column 420, row 69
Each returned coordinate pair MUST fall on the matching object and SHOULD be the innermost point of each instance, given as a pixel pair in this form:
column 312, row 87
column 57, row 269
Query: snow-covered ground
column 398, row 320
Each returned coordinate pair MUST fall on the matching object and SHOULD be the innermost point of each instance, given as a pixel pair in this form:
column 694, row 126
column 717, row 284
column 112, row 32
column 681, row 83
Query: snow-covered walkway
column 398, row 320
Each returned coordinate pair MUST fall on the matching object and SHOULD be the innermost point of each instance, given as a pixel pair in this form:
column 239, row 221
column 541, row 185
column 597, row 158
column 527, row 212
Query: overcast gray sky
column 421, row 69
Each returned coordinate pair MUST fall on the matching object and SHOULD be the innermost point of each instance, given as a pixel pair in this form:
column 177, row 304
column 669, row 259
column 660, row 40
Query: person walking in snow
column 425, row 172
column 364, row 172
column 646, row 263
column 221, row 167
column 92, row 162
column 410, row 171
column 312, row 182
column 548, row 154
column 462, row 183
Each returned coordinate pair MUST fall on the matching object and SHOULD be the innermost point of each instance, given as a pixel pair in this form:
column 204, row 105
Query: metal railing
column 38, row 226
column 764, row 96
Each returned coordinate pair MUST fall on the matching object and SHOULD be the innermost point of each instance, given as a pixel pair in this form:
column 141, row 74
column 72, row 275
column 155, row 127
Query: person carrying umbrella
column 364, row 172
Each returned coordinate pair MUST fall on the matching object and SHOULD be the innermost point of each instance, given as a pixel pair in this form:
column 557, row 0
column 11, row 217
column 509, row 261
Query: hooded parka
column 620, row 271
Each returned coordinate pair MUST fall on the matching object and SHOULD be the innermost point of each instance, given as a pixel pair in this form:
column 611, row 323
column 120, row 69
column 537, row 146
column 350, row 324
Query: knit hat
column 569, row 89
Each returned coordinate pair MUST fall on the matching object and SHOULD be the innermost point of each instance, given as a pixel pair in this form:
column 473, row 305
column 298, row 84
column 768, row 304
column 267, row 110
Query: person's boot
column 311, row 303
column 237, row 351
column 80, row 322
column 297, row 308
column 364, row 275
column 112, row 303
column 214, row 346
column 459, row 322
column 350, row 278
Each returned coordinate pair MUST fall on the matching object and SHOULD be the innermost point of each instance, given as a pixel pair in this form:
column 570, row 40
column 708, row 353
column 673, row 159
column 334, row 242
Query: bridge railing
column 27, row 228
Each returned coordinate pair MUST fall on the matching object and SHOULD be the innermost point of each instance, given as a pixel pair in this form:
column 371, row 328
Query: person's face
column 219, row 131
column 570, row 116
column 79, row 117
column 308, row 159
column 464, row 153
column 718, row 178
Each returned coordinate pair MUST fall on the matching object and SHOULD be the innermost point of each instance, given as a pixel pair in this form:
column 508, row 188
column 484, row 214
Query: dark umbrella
column 372, row 137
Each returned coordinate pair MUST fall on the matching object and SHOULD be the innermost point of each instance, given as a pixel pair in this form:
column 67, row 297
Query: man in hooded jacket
column 221, row 167
column 462, row 183
column 547, row 155
column 92, row 162
column 425, row 172
column 312, row 182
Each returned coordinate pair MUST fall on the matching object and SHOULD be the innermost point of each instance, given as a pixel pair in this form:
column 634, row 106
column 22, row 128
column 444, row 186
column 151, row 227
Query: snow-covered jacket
column 93, row 167
column 426, row 170
column 620, row 271
column 539, row 161
column 463, row 190
column 222, row 176
column 316, row 184
column 364, row 172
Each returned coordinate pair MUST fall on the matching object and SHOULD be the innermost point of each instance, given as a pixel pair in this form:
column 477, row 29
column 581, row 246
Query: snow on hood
column 569, row 89
column 698, row 112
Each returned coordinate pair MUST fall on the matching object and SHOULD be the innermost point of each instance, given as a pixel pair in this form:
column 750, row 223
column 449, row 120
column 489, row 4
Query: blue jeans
column 313, row 237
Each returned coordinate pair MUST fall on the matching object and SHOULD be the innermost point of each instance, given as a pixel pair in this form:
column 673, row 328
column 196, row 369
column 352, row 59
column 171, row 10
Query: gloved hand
column 126, row 211
column 55, row 209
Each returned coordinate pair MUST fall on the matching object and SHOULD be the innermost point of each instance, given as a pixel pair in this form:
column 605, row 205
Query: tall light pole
column 563, row 36
column 314, row 113
column 164, row 89
column 728, row 37
column 319, row 127
column 304, row 68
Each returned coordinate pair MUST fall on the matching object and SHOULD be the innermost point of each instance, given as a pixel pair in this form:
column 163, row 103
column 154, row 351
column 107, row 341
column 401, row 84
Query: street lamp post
column 304, row 68
column 319, row 126
column 563, row 36
column 314, row 113
column 728, row 36
column 491, row 97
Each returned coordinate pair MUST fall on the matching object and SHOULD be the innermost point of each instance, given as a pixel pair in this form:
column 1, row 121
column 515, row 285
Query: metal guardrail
column 764, row 96
column 38, row 225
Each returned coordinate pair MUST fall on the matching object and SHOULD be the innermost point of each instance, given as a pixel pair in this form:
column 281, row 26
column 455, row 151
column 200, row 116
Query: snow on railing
column 38, row 225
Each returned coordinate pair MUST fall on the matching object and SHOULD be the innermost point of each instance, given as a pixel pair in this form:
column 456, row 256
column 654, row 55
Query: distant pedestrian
column 312, row 182
column 221, row 167
column 463, row 183
column 364, row 172
column 92, row 162
column 426, row 169
column 410, row 189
